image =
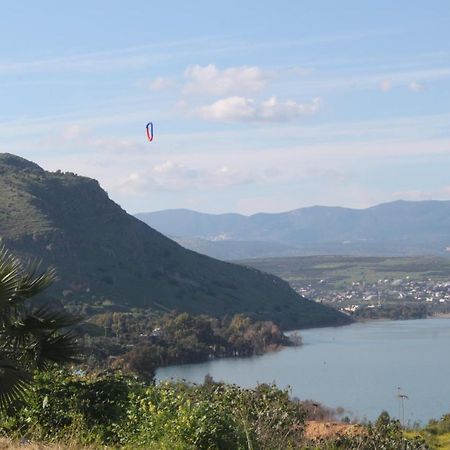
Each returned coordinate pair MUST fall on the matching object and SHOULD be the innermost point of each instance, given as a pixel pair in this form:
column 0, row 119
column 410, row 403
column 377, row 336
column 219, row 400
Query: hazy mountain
column 104, row 254
column 234, row 250
column 397, row 228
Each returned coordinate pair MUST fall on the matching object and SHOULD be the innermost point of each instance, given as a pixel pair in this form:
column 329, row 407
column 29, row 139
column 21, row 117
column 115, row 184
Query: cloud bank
column 234, row 109
column 234, row 80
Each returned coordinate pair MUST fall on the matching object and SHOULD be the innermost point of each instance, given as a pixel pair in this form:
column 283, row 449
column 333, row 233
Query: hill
column 105, row 257
column 398, row 228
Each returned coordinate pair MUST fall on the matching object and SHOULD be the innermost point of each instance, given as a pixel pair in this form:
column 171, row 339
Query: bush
column 60, row 404
column 115, row 410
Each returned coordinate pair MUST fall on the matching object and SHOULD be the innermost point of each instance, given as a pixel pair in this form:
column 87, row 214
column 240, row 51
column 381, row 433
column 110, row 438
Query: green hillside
column 338, row 272
column 105, row 256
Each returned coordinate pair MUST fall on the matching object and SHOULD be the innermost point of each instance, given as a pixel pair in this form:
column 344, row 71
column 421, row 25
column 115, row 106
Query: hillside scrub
column 437, row 433
column 176, row 339
column 111, row 409
column 107, row 260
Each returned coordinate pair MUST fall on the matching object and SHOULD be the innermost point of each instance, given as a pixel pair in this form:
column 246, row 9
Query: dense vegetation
column 110, row 261
column 437, row 433
column 65, row 406
column 171, row 415
column 401, row 311
column 32, row 335
column 176, row 339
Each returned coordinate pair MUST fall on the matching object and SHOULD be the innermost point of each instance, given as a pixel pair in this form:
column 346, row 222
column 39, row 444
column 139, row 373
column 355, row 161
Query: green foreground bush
column 120, row 411
column 113, row 410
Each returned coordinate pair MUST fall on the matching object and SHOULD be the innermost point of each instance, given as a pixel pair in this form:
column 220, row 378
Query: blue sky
column 257, row 106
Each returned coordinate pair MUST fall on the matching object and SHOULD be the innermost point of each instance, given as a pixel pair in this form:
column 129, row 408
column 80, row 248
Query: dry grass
column 11, row 444
column 329, row 430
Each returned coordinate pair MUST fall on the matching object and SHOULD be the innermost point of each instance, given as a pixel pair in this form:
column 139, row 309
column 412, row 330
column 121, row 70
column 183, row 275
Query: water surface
column 358, row 367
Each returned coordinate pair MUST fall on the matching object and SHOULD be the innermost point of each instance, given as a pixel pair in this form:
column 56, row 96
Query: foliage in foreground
column 110, row 409
column 31, row 337
column 437, row 433
column 115, row 410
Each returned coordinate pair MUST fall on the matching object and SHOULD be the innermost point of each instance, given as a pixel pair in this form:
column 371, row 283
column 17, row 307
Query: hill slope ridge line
column 105, row 256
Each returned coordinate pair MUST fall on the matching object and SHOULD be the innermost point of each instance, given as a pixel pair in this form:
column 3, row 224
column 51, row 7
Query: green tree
column 31, row 337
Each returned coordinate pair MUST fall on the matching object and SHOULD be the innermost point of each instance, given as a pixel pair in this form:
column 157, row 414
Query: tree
column 31, row 337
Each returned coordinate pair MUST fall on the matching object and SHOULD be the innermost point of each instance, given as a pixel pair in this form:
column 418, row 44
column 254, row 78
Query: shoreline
column 288, row 333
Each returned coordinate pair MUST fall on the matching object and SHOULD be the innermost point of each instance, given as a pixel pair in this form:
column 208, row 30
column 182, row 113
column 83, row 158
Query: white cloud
column 234, row 80
column 75, row 132
column 273, row 110
column 84, row 138
column 175, row 176
column 229, row 109
column 161, row 83
column 167, row 176
column 385, row 86
column 233, row 109
column 416, row 86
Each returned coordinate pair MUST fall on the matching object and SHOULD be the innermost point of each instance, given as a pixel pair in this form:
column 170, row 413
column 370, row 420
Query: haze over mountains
column 399, row 228
column 105, row 256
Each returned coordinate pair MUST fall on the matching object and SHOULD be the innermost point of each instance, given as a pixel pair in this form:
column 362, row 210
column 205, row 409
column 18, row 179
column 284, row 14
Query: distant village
column 433, row 294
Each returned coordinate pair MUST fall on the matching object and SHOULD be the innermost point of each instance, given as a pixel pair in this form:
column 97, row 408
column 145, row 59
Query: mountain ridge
column 399, row 228
column 103, row 255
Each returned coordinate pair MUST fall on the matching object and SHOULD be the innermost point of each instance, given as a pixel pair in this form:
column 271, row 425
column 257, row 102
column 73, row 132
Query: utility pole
column 401, row 406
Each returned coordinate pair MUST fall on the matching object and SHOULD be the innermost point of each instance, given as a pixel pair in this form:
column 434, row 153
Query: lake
column 358, row 367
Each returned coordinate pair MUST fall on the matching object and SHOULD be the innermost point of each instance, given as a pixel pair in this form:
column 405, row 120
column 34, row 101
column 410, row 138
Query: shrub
column 116, row 410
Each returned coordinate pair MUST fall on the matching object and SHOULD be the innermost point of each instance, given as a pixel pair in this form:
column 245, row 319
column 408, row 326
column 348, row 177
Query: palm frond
column 28, row 328
column 14, row 382
column 33, row 281
column 29, row 338
column 52, row 319
column 18, row 283
column 37, row 340
column 11, row 271
column 54, row 348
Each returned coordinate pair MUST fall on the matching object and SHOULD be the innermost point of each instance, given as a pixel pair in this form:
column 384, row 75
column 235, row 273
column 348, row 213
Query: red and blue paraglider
column 149, row 128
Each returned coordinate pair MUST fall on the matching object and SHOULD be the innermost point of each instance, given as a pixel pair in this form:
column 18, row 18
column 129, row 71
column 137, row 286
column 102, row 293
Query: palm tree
column 30, row 337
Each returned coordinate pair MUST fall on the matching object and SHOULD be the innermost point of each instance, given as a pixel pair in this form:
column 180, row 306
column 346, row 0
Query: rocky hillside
column 105, row 256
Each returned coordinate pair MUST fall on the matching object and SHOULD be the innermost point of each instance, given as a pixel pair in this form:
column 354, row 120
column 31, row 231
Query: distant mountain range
column 398, row 228
column 104, row 256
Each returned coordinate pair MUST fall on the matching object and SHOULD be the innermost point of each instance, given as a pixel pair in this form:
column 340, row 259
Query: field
column 338, row 272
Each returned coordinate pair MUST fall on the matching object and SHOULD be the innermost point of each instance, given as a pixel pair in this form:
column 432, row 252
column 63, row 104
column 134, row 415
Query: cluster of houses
column 435, row 294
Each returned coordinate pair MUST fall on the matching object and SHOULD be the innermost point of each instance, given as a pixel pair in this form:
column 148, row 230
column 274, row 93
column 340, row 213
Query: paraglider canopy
column 149, row 128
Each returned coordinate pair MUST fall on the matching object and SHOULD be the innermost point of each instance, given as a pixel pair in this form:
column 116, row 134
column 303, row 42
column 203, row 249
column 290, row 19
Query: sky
column 256, row 105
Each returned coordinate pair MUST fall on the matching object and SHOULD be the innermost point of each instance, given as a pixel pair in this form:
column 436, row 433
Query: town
column 426, row 297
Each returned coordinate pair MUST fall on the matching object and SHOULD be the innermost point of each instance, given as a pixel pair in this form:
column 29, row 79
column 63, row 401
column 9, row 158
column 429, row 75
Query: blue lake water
column 358, row 367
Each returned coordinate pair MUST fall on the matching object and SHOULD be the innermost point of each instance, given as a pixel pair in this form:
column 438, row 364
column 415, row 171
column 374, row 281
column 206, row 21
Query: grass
column 435, row 442
column 12, row 444
column 340, row 271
